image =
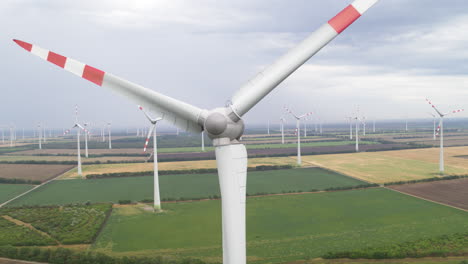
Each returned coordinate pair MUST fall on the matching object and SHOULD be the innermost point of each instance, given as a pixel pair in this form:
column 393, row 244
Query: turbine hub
column 218, row 125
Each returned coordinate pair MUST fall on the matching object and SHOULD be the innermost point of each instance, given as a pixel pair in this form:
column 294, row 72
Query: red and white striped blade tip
column 78, row 68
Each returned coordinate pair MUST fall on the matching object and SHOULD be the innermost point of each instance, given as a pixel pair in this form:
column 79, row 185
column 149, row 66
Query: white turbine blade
column 455, row 111
column 67, row 131
column 180, row 114
column 305, row 115
column 262, row 84
column 232, row 172
column 146, row 114
column 438, row 127
column 148, row 137
column 435, row 108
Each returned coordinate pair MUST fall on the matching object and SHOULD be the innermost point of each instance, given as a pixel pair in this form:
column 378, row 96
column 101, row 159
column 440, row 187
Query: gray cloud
column 202, row 52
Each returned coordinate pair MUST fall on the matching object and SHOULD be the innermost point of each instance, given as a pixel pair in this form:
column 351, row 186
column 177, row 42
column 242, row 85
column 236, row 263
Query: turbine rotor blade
column 148, row 137
column 180, row 114
column 262, row 84
column 433, row 106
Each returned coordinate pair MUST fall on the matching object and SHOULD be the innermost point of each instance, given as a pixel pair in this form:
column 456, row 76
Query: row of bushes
column 451, row 177
column 67, row 256
column 215, row 196
column 68, row 162
column 443, row 246
column 19, row 181
column 173, row 172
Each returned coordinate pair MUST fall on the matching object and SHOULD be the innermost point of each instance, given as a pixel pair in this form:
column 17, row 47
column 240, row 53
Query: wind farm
column 226, row 177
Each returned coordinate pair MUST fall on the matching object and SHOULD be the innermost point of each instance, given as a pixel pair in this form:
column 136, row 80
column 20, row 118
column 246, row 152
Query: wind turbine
column 224, row 125
column 203, row 141
column 282, row 120
column 373, row 125
column 39, row 129
column 78, row 128
column 154, row 121
column 110, row 134
column 298, row 130
column 363, row 121
column 85, row 125
column 440, row 131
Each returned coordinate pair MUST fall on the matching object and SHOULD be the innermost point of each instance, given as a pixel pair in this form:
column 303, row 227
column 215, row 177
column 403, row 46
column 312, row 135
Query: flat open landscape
column 8, row 191
column 333, row 221
column 36, row 172
column 184, row 186
column 390, row 166
column 175, row 165
column 452, row 192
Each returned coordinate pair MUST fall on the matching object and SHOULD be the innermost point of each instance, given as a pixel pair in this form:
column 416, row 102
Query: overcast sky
column 201, row 52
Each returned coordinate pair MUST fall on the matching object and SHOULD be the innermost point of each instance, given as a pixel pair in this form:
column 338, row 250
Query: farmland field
column 32, row 171
column 76, row 224
column 176, row 165
column 13, row 234
column 8, row 191
column 333, row 221
column 453, row 192
column 11, row 158
column 187, row 186
column 390, row 166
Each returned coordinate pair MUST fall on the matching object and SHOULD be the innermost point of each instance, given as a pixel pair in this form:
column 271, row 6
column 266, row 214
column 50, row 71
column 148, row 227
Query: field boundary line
column 31, row 227
column 19, row 261
column 34, row 188
column 415, row 196
column 346, row 175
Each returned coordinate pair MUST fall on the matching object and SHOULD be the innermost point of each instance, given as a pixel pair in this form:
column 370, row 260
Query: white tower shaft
column 79, row 151
column 298, row 129
column 157, row 197
column 441, row 158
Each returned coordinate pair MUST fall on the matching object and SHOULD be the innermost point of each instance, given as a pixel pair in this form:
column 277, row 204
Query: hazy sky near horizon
column 201, row 52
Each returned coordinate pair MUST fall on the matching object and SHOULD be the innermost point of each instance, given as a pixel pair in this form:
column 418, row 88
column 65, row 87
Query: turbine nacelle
column 218, row 124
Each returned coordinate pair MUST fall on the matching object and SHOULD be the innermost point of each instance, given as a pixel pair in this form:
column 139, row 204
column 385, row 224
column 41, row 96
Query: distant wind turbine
column 298, row 127
column 152, row 130
column 440, row 131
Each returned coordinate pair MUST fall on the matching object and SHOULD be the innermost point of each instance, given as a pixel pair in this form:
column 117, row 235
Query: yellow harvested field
column 177, row 165
column 390, row 166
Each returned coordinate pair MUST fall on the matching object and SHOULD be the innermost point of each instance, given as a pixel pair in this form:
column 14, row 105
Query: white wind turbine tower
column 268, row 127
column 152, row 130
column 224, row 125
column 39, row 129
column 373, row 125
column 298, row 129
column 363, row 121
column 440, row 131
column 78, row 128
column 3, row 135
column 357, row 133
column 87, row 133
column 203, row 141
column 282, row 120
column 109, row 129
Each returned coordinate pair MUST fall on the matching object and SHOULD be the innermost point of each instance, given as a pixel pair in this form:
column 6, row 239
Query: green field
column 12, row 234
column 74, row 224
column 282, row 228
column 186, row 186
column 8, row 191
